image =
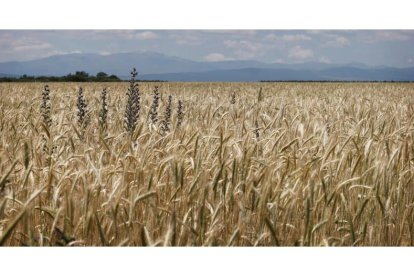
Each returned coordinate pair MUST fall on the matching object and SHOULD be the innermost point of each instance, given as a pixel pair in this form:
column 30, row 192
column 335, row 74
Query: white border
column 206, row 261
column 212, row 14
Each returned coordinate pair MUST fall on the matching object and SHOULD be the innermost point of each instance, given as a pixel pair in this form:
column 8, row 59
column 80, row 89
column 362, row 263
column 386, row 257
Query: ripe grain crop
column 248, row 164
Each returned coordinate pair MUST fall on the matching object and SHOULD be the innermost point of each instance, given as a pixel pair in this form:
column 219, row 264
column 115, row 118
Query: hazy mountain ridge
column 156, row 66
column 260, row 74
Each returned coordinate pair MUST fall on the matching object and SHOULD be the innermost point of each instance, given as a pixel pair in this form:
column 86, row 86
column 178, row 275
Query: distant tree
column 114, row 78
column 81, row 74
column 102, row 75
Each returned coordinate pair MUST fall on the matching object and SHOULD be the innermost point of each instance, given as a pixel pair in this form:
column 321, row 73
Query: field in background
column 285, row 164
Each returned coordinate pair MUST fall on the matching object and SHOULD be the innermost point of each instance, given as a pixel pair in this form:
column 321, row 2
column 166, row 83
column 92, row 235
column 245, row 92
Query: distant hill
column 372, row 74
column 247, row 74
column 152, row 65
column 117, row 64
column 7, row 75
column 260, row 74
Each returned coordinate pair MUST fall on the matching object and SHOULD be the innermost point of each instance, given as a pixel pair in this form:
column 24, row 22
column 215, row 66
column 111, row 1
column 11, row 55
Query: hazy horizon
column 370, row 47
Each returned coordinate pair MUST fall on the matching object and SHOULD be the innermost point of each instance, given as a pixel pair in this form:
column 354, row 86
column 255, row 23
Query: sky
column 371, row 47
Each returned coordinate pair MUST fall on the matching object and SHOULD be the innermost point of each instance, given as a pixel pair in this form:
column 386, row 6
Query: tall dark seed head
column 45, row 107
column 165, row 127
column 103, row 114
column 26, row 157
column 83, row 116
column 260, row 95
column 233, row 98
column 133, row 105
column 256, row 130
column 180, row 113
column 154, row 106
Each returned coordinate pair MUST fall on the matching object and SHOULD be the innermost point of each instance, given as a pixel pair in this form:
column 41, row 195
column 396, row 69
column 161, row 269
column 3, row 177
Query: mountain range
column 156, row 66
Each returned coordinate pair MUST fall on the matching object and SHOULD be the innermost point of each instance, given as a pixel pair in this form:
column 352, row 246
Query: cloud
column 337, row 41
column 394, row 35
column 253, row 46
column 410, row 60
column 10, row 44
column 232, row 32
column 297, row 37
column 245, row 49
column 29, row 47
column 104, row 53
column 190, row 38
column 215, row 57
column 24, row 47
column 324, row 60
column 299, row 53
column 287, row 37
column 314, row 32
column 144, row 35
column 271, row 37
column 113, row 34
column 328, row 38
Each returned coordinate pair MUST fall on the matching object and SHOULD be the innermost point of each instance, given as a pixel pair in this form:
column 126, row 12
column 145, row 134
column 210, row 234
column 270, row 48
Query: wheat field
column 244, row 164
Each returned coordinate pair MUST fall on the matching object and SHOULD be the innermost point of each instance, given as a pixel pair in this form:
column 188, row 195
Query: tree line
column 79, row 76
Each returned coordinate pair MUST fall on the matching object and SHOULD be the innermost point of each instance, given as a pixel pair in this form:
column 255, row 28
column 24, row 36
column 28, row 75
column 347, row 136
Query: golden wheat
column 251, row 164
